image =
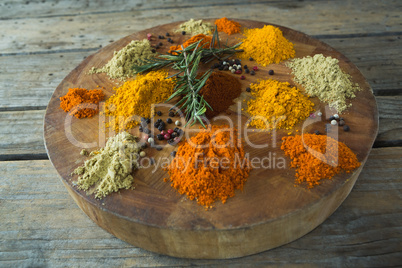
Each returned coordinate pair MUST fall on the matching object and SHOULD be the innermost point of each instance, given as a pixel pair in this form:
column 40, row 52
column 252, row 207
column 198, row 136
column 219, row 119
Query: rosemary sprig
column 186, row 61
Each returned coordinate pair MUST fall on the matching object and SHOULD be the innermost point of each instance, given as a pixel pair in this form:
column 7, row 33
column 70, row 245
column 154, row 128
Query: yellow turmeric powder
column 277, row 105
column 325, row 158
column 210, row 173
column 136, row 98
column 206, row 41
column 266, row 45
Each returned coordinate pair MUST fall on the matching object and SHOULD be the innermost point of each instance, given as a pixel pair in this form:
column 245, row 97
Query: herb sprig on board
column 187, row 61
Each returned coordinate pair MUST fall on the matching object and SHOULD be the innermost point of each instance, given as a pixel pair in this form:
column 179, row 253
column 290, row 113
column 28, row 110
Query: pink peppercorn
column 146, row 137
column 176, row 140
column 149, row 36
column 163, row 132
column 167, row 136
column 255, row 68
column 170, row 131
column 242, row 77
column 237, row 72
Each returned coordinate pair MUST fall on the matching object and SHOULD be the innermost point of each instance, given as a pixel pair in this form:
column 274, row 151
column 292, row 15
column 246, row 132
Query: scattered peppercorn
column 255, row 68
column 183, row 32
column 346, row 128
column 148, row 120
column 153, row 50
column 177, row 123
column 169, row 121
column 341, row 123
column 271, row 72
column 252, row 72
column 245, row 67
column 150, row 140
column 336, row 116
column 238, row 72
column 171, row 114
column 158, row 148
column 159, row 113
column 334, row 122
column 316, row 132
column 242, row 77
column 248, row 89
column 142, row 153
column 331, row 118
column 247, row 71
column 147, row 131
column 250, row 59
column 167, row 34
column 160, row 44
column 167, row 136
column 159, row 137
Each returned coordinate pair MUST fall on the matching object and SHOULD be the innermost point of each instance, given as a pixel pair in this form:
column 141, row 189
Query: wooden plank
column 87, row 31
column 44, row 227
column 21, row 132
column 40, row 74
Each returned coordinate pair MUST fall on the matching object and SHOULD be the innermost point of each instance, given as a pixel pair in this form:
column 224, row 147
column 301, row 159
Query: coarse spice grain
column 227, row 26
column 120, row 66
column 110, row 168
column 277, row 105
column 323, row 78
column 136, row 97
column 266, row 45
column 195, row 27
column 324, row 158
column 210, row 167
column 81, row 102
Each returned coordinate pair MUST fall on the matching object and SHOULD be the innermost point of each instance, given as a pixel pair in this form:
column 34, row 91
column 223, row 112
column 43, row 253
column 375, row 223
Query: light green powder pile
column 196, row 27
column 323, row 78
column 120, row 66
column 110, row 168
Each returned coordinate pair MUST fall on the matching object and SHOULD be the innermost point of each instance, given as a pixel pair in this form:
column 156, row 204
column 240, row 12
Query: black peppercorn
column 160, row 44
column 160, row 137
column 169, row 121
column 316, row 132
column 183, row 32
column 341, row 123
column 245, row 67
column 153, row 50
column 148, row 120
column 331, row 118
column 167, row 34
column 346, row 128
column 159, row 113
column 248, row 89
column 247, row 71
column 141, row 129
column 250, row 59
column 271, row 72
column 147, row 131
column 171, row 113
column 158, row 148
column 252, row 72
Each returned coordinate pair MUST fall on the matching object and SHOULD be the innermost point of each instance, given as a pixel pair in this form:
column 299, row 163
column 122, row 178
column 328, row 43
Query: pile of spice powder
column 219, row 92
column 266, row 45
column 195, row 27
column 311, row 165
column 205, row 43
column 82, row 102
column 120, row 66
column 211, row 166
column 110, row 167
column 323, row 78
column 280, row 104
column 136, row 97
column 227, row 26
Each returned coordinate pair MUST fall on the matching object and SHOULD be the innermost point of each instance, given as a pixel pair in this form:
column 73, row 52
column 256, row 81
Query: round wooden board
column 269, row 212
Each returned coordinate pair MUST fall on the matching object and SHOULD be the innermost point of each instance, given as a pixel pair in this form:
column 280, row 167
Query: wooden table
column 42, row 41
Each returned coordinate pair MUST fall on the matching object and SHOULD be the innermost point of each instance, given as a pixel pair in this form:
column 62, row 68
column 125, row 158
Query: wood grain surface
column 42, row 41
column 268, row 213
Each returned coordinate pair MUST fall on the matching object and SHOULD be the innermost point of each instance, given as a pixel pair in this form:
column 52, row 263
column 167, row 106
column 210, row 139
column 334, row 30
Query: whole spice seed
column 192, row 173
column 323, row 78
column 312, row 165
column 110, row 168
column 81, row 102
column 280, row 104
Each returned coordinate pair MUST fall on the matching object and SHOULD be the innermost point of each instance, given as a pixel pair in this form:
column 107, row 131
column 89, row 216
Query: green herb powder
column 323, row 78
column 110, row 168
